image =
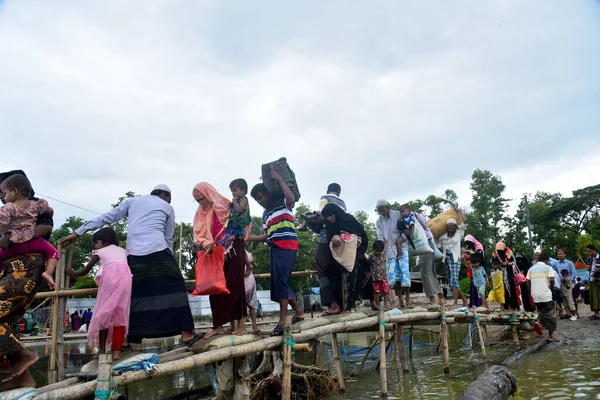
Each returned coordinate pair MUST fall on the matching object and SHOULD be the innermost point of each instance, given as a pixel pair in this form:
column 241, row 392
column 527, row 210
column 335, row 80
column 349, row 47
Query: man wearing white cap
column 159, row 301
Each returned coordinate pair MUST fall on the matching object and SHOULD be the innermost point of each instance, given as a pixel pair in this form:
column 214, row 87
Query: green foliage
column 582, row 243
column 82, row 249
column 183, row 243
column 488, row 207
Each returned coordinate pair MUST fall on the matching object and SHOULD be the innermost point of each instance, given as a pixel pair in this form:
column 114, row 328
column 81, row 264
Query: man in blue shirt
column 563, row 263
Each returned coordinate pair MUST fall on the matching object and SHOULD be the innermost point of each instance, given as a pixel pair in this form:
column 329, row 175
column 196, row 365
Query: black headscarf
column 5, row 175
column 523, row 263
column 344, row 222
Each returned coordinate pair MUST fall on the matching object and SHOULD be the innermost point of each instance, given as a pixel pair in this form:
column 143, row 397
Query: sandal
column 296, row 319
column 193, row 340
column 278, row 330
column 594, row 317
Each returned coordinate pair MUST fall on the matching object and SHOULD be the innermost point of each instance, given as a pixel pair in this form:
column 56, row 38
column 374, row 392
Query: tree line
column 570, row 223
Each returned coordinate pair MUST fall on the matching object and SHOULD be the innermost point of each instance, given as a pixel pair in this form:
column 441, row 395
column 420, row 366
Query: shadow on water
column 571, row 372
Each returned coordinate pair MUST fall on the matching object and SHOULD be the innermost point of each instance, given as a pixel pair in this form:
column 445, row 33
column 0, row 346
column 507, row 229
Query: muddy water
column 571, row 372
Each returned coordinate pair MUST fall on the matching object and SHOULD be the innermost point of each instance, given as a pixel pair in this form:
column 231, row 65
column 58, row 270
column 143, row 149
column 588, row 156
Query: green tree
column 363, row 218
column 488, row 207
column 183, row 244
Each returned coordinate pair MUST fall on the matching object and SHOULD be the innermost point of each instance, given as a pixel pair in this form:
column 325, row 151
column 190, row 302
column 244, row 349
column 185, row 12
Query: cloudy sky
column 392, row 99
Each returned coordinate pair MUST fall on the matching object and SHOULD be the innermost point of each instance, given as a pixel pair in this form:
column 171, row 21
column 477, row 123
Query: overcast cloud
column 392, row 99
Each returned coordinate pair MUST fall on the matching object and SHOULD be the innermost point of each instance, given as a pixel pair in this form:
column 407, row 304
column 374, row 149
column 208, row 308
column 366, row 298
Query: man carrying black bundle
column 329, row 278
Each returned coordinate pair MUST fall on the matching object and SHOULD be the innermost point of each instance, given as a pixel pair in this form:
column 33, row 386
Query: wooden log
column 286, row 380
column 496, row 382
column 401, row 350
column 337, row 361
column 515, row 334
column 518, row 355
column 104, row 375
column 485, row 332
column 480, row 333
column 444, row 339
column 89, row 375
column 382, row 355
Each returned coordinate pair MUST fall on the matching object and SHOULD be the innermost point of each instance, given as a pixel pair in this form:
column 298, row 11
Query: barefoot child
column 377, row 259
column 280, row 234
column 250, row 287
column 111, row 315
column 240, row 221
column 479, row 277
column 18, row 218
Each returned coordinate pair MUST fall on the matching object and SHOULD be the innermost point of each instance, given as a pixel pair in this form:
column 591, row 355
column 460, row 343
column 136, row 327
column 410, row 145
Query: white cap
column 162, row 187
column 382, row 203
column 451, row 221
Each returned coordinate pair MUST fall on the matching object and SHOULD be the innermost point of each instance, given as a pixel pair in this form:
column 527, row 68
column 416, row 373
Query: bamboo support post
column 444, row 339
column 337, row 360
column 480, row 333
column 286, row 378
column 55, row 366
column 382, row 355
column 320, row 353
column 401, row 350
column 104, row 376
column 515, row 334
column 485, row 332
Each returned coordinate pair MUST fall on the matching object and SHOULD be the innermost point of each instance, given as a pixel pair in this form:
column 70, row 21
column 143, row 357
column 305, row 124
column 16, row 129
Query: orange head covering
column 203, row 220
column 501, row 246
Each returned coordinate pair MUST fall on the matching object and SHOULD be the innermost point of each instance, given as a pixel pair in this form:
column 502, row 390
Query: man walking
column 159, row 300
column 540, row 280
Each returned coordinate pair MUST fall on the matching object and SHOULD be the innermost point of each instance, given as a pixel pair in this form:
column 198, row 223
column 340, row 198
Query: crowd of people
column 142, row 293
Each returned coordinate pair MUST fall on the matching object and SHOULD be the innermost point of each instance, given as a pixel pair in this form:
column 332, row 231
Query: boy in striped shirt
column 280, row 235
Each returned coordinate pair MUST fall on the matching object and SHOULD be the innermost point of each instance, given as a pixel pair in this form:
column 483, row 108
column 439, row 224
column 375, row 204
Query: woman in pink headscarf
column 210, row 224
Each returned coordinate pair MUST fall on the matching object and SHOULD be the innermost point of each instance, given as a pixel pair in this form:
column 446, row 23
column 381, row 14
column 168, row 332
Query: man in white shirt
column 540, row 280
column 159, row 300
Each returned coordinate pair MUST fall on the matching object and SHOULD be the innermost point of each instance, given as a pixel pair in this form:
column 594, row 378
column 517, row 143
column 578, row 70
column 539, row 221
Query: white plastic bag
column 24, row 393
column 420, row 241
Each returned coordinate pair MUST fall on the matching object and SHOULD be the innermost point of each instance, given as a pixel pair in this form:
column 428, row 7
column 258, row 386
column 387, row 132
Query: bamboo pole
column 485, row 332
column 410, row 341
column 58, row 385
column 104, row 375
column 401, row 351
column 286, row 379
column 337, row 360
column 515, row 334
column 55, row 371
column 66, row 293
column 444, row 339
column 365, row 357
column 382, row 355
column 320, row 352
column 480, row 333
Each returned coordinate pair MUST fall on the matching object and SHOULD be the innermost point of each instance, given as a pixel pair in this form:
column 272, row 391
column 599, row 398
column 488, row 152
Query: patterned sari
column 20, row 279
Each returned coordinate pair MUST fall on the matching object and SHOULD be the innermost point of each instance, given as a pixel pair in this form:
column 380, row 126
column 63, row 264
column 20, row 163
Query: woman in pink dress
column 111, row 314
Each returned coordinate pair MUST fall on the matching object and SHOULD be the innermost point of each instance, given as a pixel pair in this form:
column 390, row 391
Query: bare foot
column 332, row 311
column 229, row 331
column 240, row 331
column 26, row 359
column 116, row 354
column 215, row 331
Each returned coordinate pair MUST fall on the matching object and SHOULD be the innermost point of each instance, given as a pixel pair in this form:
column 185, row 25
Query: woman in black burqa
column 355, row 284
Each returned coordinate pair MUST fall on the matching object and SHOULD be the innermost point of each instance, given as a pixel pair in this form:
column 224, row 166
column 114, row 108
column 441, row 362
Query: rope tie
column 106, row 394
column 477, row 318
column 289, row 340
column 444, row 319
column 511, row 320
column 383, row 323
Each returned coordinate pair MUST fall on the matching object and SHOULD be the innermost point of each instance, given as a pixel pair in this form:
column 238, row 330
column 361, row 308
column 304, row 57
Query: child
column 407, row 226
column 407, row 233
column 111, row 315
column 567, row 292
column 377, row 260
column 480, row 279
column 18, row 217
column 250, row 286
column 240, row 221
column 497, row 292
column 280, row 235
